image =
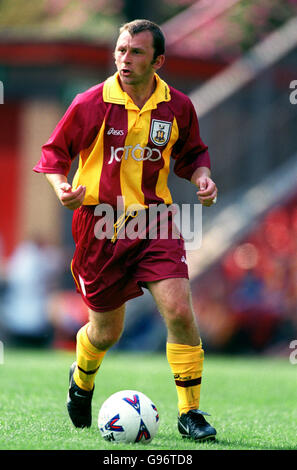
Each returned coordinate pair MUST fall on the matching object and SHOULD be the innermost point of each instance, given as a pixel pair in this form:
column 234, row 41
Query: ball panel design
column 128, row 416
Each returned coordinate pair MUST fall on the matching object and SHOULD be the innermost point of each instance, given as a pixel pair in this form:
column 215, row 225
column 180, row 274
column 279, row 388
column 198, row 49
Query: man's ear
column 159, row 61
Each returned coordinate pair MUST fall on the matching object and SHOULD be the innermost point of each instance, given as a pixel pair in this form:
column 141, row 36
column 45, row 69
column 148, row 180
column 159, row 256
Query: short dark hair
column 138, row 26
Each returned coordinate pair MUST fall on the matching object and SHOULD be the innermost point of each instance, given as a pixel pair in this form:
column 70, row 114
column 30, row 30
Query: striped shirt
column 123, row 150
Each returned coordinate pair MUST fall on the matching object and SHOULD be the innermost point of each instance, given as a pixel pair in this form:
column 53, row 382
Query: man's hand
column 207, row 193
column 71, row 199
column 207, row 190
column 68, row 198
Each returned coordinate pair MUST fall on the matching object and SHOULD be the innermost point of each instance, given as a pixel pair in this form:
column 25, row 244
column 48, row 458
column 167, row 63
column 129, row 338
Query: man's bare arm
column 68, row 198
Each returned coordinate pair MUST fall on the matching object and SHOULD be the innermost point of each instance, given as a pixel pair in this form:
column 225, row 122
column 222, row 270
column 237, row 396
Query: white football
column 128, row 416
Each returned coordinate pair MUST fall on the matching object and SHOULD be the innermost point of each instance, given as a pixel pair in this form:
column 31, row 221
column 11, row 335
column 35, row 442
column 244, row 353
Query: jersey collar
column 113, row 93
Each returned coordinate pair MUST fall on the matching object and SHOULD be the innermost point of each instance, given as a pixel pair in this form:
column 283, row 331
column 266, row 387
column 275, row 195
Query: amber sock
column 88, row 359
column 186, row 363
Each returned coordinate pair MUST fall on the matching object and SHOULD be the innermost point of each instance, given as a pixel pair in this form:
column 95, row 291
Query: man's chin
column 128, row 80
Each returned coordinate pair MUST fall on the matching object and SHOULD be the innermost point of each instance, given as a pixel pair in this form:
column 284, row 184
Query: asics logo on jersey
column 113, row 131
column 138, row 153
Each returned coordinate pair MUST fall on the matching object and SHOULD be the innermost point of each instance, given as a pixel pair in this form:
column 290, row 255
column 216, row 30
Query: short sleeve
column 76, row 131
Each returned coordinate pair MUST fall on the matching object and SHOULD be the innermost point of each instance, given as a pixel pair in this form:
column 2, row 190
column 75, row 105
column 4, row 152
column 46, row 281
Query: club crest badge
column 160, row 132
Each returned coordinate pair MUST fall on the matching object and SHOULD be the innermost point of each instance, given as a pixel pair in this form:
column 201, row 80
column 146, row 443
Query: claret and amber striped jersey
column 123, row 150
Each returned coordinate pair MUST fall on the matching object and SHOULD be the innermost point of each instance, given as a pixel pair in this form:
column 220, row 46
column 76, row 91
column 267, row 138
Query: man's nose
column 127, row 58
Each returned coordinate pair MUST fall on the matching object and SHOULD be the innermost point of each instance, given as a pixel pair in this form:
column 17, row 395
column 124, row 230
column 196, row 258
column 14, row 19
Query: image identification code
column 150, row 459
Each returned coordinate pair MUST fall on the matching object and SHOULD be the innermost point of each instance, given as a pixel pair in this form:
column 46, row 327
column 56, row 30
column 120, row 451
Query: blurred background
column 237, row 60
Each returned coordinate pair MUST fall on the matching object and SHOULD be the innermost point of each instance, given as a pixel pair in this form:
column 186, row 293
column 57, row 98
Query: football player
column 125, row 131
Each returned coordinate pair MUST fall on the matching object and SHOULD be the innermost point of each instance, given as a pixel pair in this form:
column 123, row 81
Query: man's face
column 134, row 58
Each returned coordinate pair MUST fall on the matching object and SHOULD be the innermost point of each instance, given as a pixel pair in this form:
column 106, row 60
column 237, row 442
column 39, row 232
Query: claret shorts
column 107, row 273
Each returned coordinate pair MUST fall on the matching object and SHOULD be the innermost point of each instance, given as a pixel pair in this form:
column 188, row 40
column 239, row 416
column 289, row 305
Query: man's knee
column 105, row 329
column 179, row 313
column 173, row 298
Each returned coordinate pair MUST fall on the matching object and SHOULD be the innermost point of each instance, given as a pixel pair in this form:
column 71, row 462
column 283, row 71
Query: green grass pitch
column 252, row 401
